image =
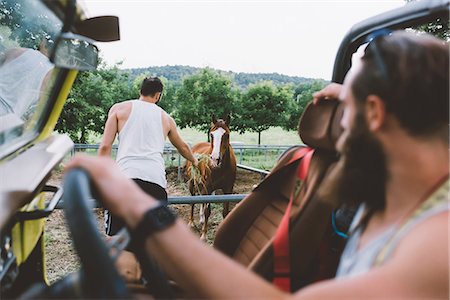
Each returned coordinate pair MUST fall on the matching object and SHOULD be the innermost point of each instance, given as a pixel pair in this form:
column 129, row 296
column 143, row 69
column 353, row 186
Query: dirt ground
column 61, row 258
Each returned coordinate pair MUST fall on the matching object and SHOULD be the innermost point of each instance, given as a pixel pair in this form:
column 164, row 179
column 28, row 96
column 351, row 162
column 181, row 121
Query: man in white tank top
column 142, row 127
column 24, row 74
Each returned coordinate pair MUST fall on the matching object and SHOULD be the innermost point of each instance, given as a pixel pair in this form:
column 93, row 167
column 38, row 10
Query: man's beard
column 360, row 174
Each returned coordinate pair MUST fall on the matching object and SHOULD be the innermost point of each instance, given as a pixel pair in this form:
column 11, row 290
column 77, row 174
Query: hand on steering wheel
column 99, row 271
column 99, row 277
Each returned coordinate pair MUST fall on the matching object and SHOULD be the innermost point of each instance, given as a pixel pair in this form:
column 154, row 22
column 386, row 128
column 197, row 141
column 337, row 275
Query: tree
column 264, row 105
column 438, row 28
column 302, row 96
column 89, row 101
column 169, row 101
column 27, row 29
column 203, row 95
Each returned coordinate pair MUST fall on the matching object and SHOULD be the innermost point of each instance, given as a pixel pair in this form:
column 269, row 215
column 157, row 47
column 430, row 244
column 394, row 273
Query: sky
column 297, row 37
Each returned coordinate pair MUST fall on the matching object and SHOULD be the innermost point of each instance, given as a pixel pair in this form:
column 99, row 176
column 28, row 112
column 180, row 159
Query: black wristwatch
column 154, row 220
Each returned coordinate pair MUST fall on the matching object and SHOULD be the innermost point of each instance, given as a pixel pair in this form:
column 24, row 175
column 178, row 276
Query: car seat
column 247, row 234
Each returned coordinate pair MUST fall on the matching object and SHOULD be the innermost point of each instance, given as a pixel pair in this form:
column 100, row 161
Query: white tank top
column 141, row 144
column 21, row 82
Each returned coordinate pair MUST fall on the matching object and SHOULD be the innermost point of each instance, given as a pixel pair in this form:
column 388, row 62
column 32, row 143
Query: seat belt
column 281, row 261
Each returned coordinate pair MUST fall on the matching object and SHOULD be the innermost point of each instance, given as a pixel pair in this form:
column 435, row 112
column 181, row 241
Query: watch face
column 154, row 220
column 163, row 217
column 159, row 218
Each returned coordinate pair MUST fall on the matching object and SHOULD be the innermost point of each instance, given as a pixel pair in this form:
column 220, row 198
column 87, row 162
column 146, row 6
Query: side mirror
column 72, row 51
column 100, row 29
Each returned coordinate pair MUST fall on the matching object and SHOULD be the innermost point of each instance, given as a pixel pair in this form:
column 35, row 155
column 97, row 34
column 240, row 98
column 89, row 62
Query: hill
column 242, row 80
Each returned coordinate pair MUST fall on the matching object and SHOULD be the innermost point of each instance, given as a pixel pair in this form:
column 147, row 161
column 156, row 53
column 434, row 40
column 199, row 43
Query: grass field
column 272, row 136
column 254, row 158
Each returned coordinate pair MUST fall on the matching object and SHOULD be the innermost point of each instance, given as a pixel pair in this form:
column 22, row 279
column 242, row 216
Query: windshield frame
column 18, row 135
column 411, row 15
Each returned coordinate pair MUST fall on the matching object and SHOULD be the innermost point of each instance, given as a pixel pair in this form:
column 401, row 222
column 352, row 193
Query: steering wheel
column 99, row 277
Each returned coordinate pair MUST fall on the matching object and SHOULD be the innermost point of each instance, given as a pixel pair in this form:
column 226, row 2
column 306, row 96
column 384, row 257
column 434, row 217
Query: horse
column 216, row 170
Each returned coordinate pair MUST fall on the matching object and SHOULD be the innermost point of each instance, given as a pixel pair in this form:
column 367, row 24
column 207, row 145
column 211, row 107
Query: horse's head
column 220, row 138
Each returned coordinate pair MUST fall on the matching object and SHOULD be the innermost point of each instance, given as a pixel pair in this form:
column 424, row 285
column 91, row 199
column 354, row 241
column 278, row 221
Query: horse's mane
column 200, row 175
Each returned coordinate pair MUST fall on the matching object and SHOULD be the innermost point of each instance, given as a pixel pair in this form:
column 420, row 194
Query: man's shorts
column 113, row 224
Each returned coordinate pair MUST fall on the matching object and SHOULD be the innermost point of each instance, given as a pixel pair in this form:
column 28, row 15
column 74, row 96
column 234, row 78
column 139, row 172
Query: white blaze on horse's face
column 217, row 140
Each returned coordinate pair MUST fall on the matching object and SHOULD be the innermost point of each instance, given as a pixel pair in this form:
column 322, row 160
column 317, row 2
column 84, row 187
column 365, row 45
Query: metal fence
column 238, row 148
column 183, row 200
column 259, row 157
column 249, row 154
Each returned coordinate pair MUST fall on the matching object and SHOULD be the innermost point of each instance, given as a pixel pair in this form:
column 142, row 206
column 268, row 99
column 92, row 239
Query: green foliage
column 89, row 101
column 203, row 95
column 264, row 105
column 169, row 101
column 302, row 96
column 438, row 28
column 28, row 23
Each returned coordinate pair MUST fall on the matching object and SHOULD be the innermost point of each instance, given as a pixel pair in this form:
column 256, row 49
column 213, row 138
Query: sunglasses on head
column 371, row 41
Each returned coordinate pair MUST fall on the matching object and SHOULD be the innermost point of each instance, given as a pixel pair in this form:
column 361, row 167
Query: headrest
column 319, row 125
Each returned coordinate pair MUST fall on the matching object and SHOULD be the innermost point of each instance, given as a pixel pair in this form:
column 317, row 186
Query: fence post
column 265, row 154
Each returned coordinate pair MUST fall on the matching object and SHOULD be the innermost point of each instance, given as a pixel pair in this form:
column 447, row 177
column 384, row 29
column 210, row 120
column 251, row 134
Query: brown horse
column 218, row 170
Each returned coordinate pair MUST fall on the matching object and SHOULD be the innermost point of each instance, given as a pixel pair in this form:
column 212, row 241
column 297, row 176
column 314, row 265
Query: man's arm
column 109, row 133
column 177, row 141
column 418, row 269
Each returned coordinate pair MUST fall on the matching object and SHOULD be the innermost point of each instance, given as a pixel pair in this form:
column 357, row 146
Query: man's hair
column 150, row 86
column 414, row 83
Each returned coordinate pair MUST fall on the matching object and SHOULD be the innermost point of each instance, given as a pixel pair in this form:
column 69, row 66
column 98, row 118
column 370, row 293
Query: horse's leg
column 202, row 214
column 226, row 205
column 225, row 209
column 207, row 212
column 191, row 218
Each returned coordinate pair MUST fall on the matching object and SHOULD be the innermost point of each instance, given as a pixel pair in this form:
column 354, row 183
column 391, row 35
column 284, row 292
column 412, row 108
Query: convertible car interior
column 43, row 46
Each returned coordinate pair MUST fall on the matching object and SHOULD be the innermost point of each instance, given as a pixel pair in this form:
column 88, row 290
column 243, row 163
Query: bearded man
column 394, row 163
